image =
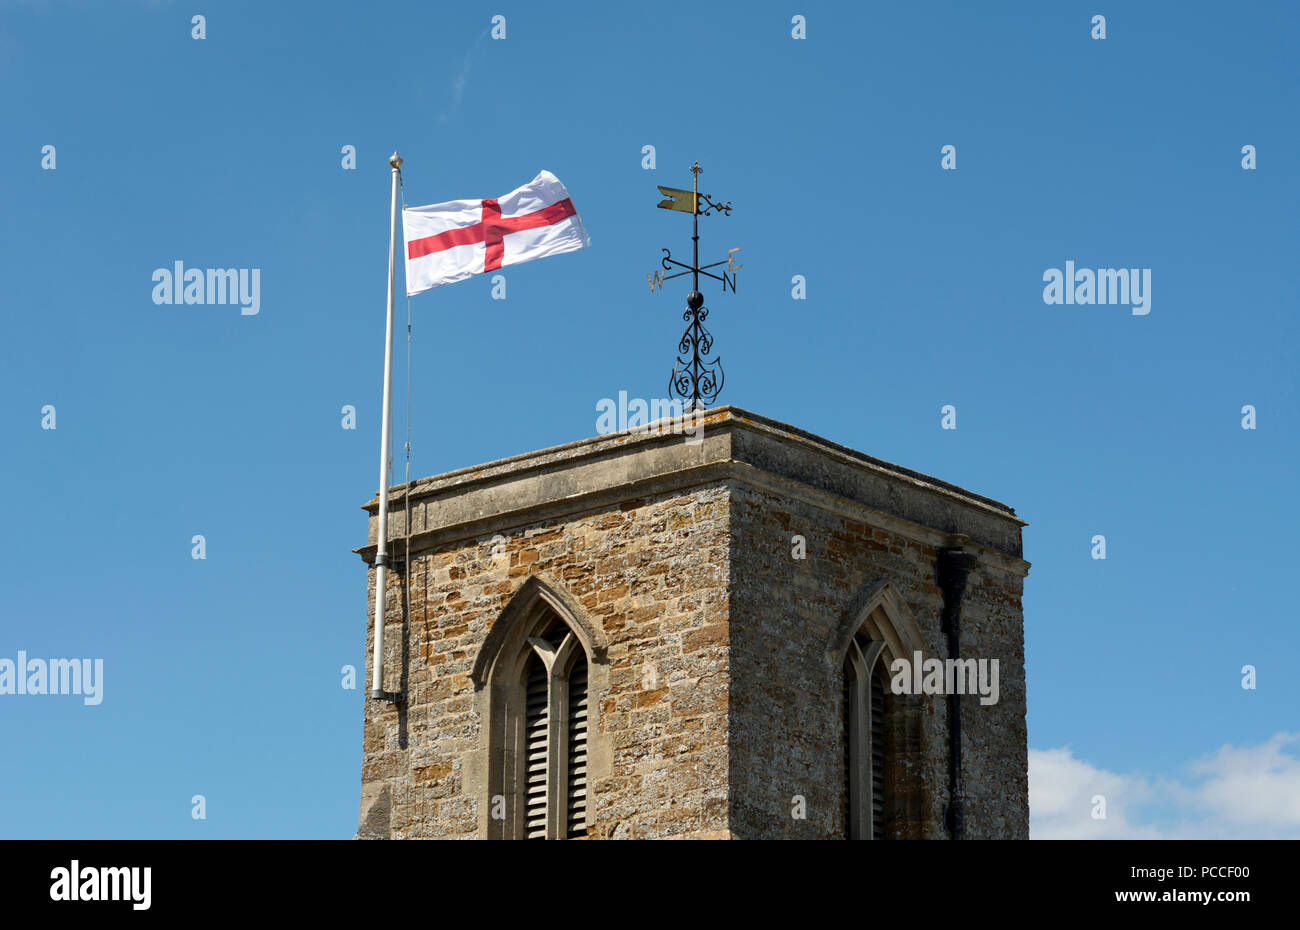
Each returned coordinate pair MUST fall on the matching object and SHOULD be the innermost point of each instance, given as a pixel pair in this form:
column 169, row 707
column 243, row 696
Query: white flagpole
column 381, row 555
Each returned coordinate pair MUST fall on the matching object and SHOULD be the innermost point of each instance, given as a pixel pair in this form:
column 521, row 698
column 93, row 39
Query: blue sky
column 924, row 288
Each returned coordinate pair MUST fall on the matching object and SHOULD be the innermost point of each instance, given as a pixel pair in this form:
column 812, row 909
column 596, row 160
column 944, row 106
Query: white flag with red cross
column 452, row 241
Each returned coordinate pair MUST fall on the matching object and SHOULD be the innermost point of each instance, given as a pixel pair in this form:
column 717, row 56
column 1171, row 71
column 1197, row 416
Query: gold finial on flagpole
column 395, row 160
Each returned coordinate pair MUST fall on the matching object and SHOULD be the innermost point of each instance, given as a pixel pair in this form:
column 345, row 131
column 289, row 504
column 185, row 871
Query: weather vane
column 695, row 379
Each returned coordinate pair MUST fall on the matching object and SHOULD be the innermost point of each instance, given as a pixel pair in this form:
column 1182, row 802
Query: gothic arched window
column 535, row 676
column 866, row 741
column 552, row 728
column 883, row 733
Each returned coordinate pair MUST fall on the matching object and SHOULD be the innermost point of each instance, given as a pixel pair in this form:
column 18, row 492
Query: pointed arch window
column 867, row 757
column 548, row 711
column 884, row 740
column 535, row 680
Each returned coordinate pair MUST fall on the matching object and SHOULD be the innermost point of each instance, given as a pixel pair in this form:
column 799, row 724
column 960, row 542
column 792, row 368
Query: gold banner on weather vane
column 677, row 199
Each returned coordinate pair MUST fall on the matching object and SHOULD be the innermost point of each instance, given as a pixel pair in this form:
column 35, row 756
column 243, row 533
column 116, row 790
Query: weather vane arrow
column 695, row 379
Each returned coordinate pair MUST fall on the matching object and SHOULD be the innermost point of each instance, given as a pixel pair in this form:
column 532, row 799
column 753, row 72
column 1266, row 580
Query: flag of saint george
column 452, row 241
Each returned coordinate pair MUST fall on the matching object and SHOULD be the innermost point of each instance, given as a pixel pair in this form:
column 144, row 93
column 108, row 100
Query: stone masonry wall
column 786, row 698
column 652, row 576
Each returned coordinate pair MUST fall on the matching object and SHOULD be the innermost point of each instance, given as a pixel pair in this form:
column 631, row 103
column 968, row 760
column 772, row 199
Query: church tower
column 731, row 628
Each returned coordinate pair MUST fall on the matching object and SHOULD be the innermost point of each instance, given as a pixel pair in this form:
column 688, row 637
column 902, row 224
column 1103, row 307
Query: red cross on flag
column 452, row 241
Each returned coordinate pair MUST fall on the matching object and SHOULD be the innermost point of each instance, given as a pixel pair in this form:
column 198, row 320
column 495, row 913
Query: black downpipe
column 955, row 566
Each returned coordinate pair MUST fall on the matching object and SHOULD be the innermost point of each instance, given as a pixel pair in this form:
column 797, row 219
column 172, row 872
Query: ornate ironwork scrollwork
column 708, row 206
column 695, row 379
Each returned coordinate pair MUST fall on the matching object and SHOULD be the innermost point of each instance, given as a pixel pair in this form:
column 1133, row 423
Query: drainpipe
column 955, row 565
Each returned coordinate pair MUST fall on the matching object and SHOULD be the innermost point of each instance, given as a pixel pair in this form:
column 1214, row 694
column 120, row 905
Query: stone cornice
column 737, row 446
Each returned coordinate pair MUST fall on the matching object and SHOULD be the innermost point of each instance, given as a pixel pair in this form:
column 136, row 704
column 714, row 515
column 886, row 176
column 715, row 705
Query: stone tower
column 658, row 634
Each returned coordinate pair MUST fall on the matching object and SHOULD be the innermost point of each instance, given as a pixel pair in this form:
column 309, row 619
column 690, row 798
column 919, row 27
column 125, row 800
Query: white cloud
column 1061, row 793
column 1251, row 792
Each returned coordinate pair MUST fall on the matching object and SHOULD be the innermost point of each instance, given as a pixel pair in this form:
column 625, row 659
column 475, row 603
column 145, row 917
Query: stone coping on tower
column 721, row 445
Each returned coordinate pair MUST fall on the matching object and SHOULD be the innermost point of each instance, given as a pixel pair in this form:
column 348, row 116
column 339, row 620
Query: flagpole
column 381, row 554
